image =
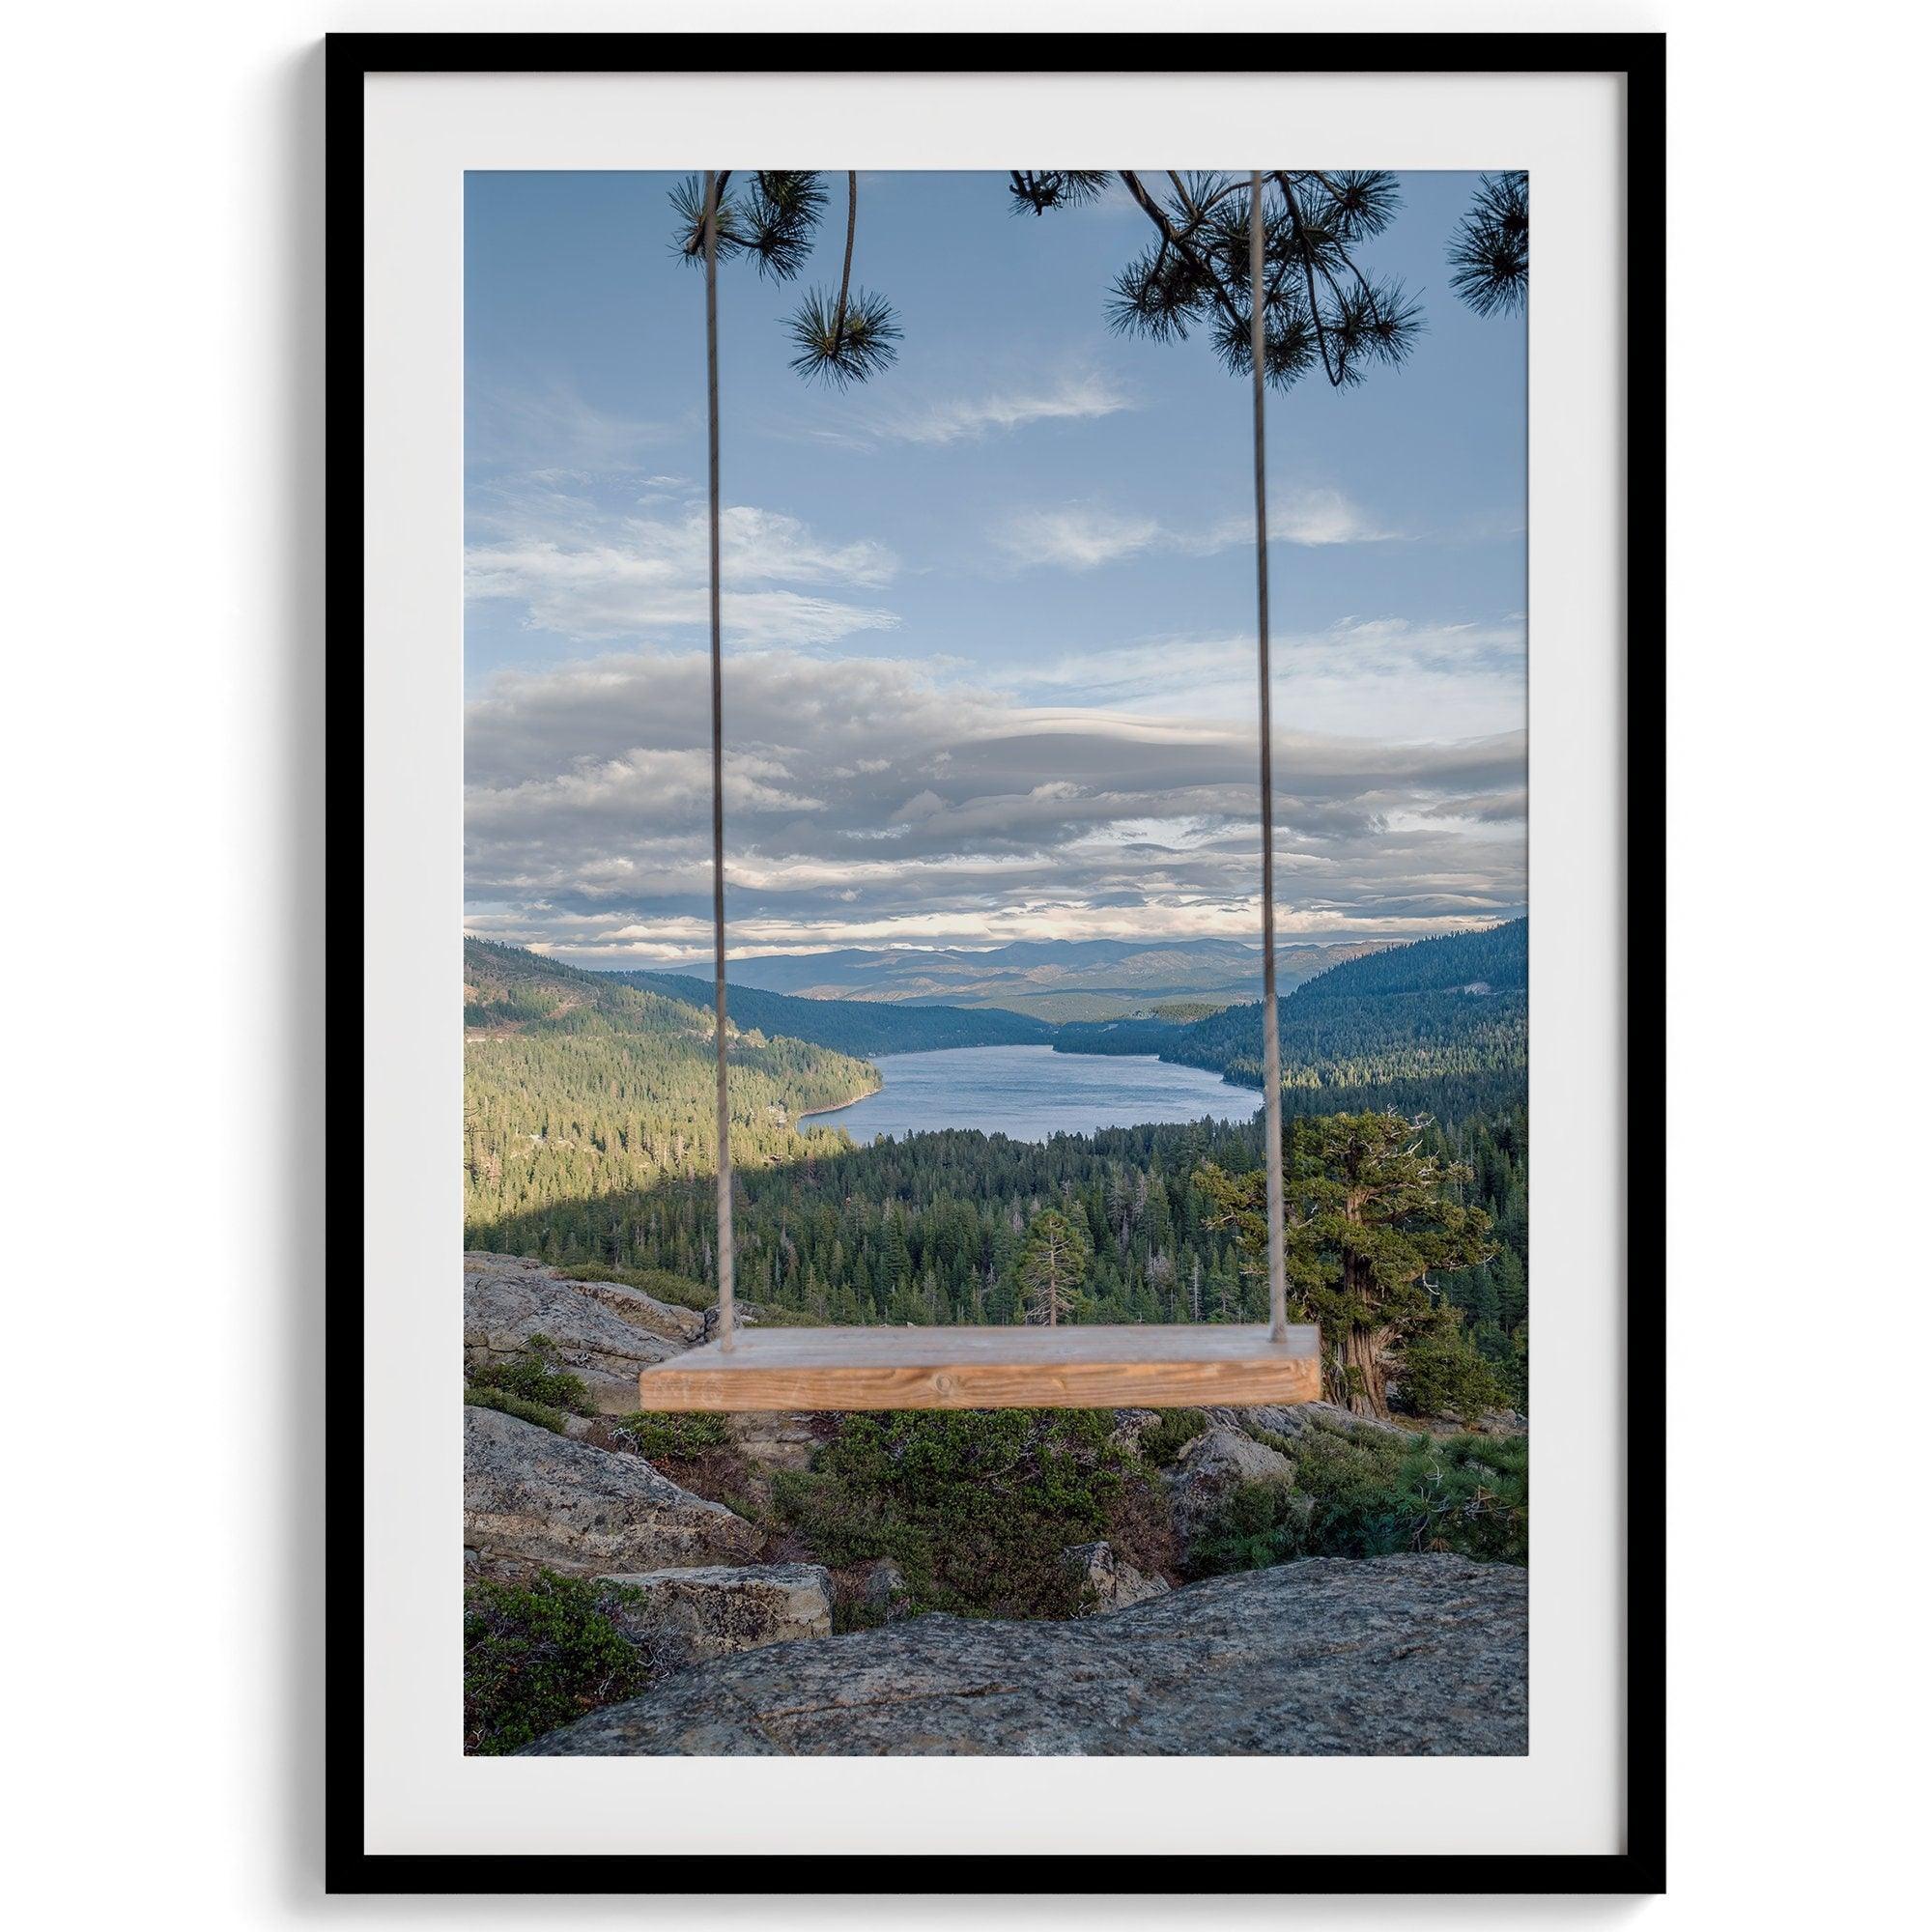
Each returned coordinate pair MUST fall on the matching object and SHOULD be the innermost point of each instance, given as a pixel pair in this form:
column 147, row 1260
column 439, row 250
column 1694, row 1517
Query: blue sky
column 990, row 617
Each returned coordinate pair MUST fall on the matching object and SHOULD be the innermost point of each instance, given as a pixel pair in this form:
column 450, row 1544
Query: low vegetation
column 975, row 1507
column 673, row 1437
column 1361, row 1495
column 1164, row 1441
column 677, row 1291
column 540, row 1653
column 533, row 1377
column 541, row 1414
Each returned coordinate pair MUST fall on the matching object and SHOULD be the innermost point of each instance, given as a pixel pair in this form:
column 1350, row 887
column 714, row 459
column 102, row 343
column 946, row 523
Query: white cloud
column 973, row 419
column 1076, row 538
column 1083, row 537
column 1316, row 517
column 584, row 573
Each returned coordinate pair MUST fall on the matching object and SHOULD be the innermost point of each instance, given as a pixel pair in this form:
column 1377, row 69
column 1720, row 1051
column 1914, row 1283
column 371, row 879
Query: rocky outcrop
column 681, row 1617
column 1492, row 1422
column 1105, row 1582
column 533, row 1497
column 600, row 1329
column 777, row 1439
column 1400, row 1656
column 1304, row 1417
column 1210, row 1467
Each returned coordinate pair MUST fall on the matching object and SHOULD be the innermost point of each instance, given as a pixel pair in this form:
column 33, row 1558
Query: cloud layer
column 872, row 800
column 1382, row 678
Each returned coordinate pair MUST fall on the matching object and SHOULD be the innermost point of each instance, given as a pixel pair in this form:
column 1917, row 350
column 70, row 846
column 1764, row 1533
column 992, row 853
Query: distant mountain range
column 1054, row 980
column 851, row 1025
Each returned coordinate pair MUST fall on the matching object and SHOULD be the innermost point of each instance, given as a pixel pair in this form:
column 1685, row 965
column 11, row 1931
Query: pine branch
column 1489, row 257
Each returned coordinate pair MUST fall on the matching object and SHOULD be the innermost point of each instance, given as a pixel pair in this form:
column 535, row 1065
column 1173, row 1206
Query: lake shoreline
column 1029, row 1093
column 805, row 1114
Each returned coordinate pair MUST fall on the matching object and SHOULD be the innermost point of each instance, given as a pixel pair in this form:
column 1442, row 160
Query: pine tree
column 1051, row 1265
column 1370, row 1215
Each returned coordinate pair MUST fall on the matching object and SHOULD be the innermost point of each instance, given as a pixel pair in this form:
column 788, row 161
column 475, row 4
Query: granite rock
column 534, row 1499
column 1399, row 1656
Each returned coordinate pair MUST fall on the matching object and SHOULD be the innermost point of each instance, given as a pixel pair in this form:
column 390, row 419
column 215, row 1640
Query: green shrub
column 1171, row 1435
column 538, row 1655
column 534, row 1377
column 659, row 1284
column 769, row 1315
column 681, row 1291
column 541, row 1414
column 1258, row 1526
column 975, row 1506
column 1443, row 1373
column 1508, row 1355
column 1378, row 1495
column 671, row 1436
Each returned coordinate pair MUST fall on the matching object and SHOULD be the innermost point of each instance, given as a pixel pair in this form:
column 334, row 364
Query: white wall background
column 160, row 1133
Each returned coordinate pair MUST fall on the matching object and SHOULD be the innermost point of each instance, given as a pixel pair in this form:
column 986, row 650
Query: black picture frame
column 1639, row 1868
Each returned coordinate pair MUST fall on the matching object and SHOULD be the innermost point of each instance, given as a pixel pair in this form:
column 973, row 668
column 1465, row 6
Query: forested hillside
column 574, row 1089
column 1495, row 960
column 1440, row 1025
column 851, row 1025
column 930, row 1229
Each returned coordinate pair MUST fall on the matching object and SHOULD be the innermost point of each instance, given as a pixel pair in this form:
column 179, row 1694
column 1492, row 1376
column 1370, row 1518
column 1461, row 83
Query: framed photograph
column 970, row 734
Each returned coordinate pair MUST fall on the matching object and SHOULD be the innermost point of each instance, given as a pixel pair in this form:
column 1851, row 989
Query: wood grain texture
column 989, row 1368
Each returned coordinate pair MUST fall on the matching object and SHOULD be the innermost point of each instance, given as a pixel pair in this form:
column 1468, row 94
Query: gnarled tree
column 1370, row 1218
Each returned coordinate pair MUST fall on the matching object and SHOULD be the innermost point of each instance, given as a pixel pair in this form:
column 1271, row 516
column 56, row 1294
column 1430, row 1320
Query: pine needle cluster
column 1322, row 308
column 1488, row 260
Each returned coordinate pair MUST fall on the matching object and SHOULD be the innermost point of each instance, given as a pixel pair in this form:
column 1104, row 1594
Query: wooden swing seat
column 1147, row 1367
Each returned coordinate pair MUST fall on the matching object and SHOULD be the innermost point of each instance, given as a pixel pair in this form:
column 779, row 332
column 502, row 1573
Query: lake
column 1032, row 1092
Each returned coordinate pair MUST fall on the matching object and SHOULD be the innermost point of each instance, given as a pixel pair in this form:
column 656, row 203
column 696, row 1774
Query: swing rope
column 726, row 1260
column 1271, row 1018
